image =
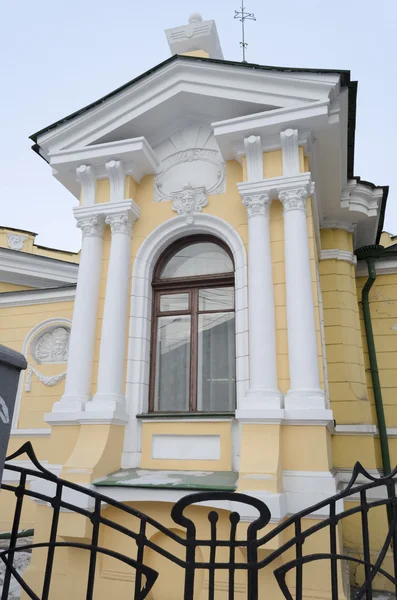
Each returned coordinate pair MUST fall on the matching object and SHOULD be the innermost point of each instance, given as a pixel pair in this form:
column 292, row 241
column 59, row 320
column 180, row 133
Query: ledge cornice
column 275, row 185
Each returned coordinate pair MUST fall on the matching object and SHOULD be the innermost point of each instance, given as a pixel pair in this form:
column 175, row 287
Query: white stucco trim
column 137, row 386
column 335, row 254
column 30, row 297
column 22, row 268
column 386, row 266
column 31, row 335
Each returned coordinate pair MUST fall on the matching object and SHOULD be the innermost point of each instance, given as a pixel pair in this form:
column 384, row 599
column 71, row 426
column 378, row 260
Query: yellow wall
column 383, row 305
column 15, row 325
column 345, row 361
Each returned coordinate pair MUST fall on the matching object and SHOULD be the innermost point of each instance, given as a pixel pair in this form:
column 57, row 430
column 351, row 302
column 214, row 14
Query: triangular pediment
column 211, row 90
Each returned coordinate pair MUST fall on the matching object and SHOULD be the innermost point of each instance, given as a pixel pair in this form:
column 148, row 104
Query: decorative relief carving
column 208, row 169
column 190, row 154
column 294, row 199
column 189, row 201
column 91, row 226
column 53, row 347
column 257, row 204
column 16, row 242
column 49, row 380
column 120, row 223
column 85, row 174
column 116, row 173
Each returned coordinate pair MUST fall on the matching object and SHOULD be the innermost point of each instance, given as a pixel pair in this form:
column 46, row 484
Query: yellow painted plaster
column 306, row 448
column 345, row 359
column 12, row 287
column 97, row 452
column 198, row 53
column 260, row 458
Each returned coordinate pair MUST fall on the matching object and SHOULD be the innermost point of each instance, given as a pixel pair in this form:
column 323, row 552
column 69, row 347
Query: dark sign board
column 11, row 364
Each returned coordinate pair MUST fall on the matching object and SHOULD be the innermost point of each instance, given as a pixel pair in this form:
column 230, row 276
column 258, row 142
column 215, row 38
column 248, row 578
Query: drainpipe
column 369, row 254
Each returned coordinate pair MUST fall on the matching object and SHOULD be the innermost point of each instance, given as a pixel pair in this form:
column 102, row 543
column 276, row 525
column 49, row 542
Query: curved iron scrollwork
column 256, row 547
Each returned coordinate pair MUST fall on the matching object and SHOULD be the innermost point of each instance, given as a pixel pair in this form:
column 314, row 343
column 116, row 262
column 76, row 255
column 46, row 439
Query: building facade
column 209, row 333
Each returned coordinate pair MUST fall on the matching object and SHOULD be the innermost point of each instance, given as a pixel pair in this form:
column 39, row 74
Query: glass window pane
column 204, row 258
column 216, row 298
column 170, row 302
column 216, row 382
column 172, row 364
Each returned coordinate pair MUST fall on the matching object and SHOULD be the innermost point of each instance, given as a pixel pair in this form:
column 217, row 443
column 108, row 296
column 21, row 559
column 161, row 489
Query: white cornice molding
column 33, row 270
column 108, row 209
column 29, row 433
column 344, row 225
column 31, row 297
column 335, row 254
column 361, row 198
column 269, row 124
column 355, row 429
column 198, row 77
column 384, row 266
column 135, row 155
column 275, row 185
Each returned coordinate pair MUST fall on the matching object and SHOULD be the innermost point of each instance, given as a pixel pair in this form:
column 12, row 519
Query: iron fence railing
column 246, row 550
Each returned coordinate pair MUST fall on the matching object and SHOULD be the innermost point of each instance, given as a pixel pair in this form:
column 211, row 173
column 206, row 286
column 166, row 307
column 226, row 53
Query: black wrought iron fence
column 248, row 550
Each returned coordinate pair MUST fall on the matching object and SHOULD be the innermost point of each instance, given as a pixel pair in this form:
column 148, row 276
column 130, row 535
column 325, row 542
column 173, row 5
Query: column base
column 261, row 403
column 106, row 406
column 307, row 405
column 305, row 398
column 70, row 404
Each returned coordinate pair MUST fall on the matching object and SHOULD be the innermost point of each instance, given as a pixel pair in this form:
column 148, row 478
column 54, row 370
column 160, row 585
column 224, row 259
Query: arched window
column 193, row 335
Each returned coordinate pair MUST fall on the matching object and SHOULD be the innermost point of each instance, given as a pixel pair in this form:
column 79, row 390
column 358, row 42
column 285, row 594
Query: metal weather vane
column 242, row 16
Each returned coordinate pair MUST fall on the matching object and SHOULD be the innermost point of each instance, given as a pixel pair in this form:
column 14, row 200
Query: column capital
column 257, row 204
column 91, row 226
column 294, row 199
column 120, row 222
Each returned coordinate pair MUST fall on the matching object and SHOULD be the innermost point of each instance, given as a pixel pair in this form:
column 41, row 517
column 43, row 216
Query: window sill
column 187, row 415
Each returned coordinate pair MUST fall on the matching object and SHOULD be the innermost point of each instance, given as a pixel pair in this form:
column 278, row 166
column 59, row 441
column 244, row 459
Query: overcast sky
column 59, row 55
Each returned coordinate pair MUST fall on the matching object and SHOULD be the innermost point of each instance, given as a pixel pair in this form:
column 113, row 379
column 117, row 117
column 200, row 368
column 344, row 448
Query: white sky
column 60, row 55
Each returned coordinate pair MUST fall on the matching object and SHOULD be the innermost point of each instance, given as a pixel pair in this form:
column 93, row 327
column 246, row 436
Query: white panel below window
column 186, row 447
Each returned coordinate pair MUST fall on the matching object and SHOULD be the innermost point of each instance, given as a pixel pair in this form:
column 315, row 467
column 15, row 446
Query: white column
column 263, row 398
column 304, row 392
column 109, row 397
column 82, row 338
column 263, row 393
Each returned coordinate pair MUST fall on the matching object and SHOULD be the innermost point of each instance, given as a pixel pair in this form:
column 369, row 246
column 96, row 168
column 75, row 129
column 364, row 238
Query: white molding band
column 109, row 397
column 384, row 266
column 30, row 297
column 29, row 433
column 140, row 316
column 335, row 254
column 22, row 268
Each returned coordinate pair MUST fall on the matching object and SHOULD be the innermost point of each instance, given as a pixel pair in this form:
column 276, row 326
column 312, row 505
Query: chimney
column 197, row 38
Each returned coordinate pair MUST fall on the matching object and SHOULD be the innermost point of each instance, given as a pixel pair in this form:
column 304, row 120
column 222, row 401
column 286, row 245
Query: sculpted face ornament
column 189, row 201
